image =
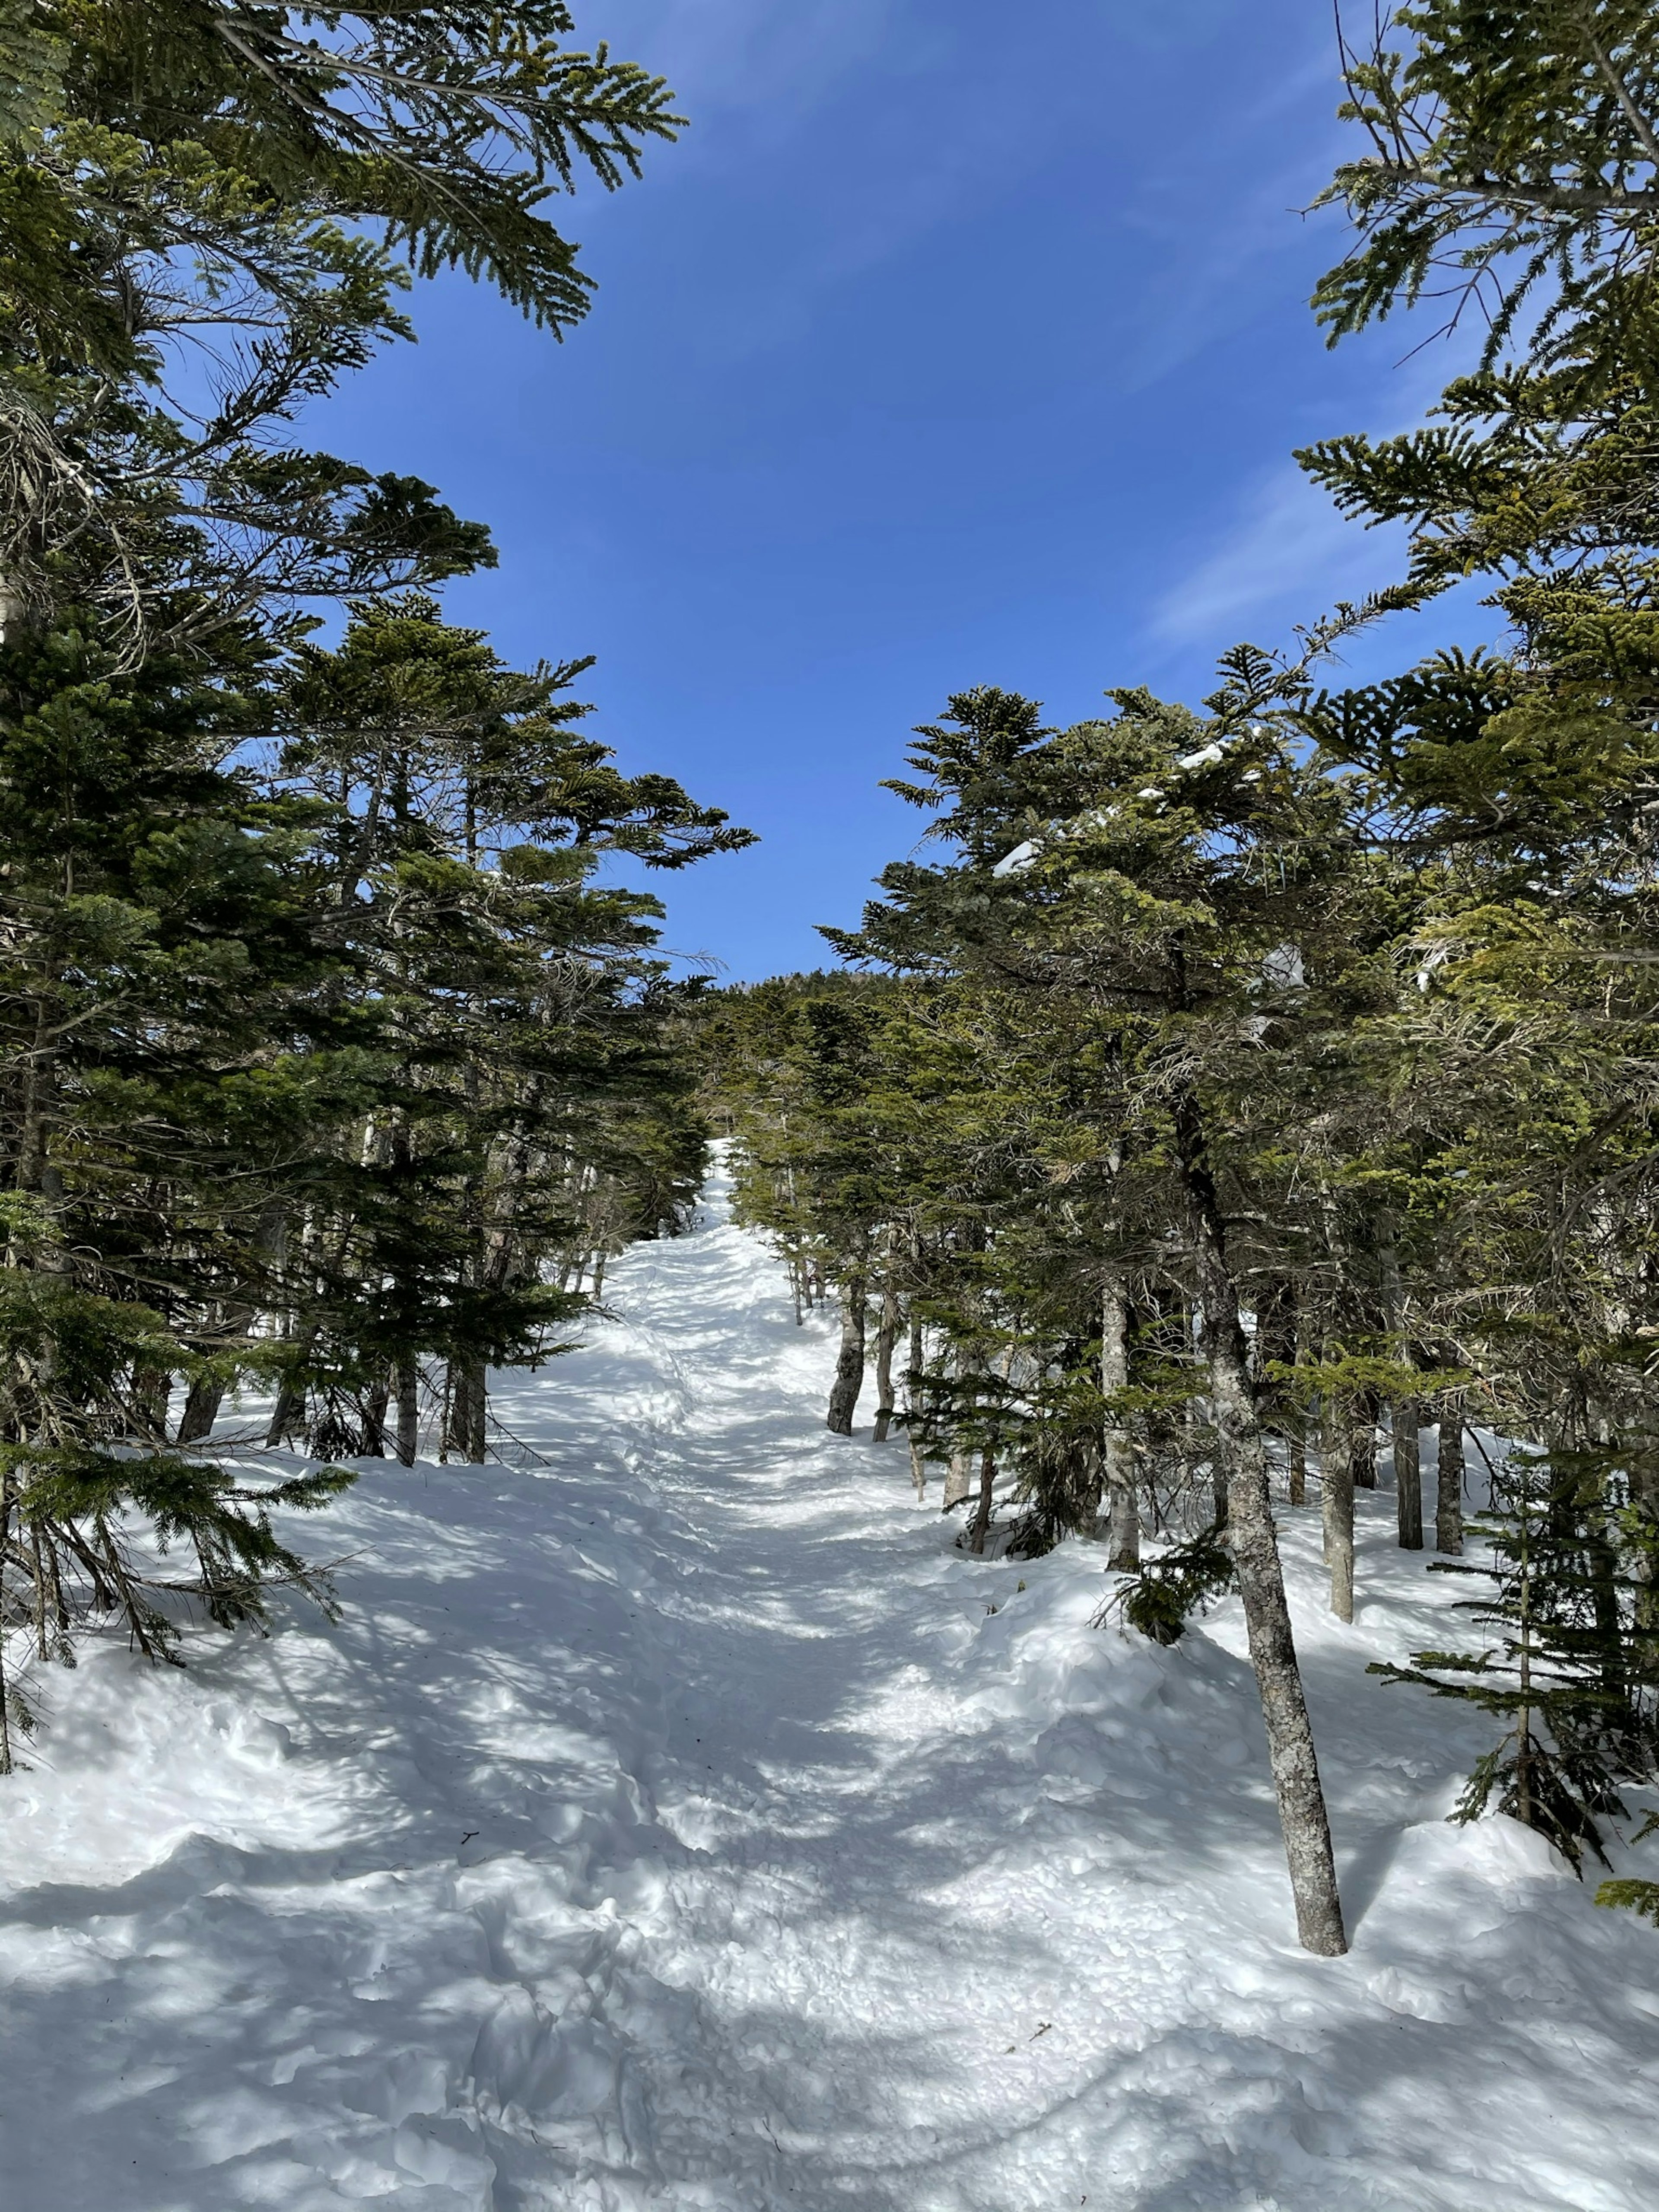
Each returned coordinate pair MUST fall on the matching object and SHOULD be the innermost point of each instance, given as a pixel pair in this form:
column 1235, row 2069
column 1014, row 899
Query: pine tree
column 1574, row 1673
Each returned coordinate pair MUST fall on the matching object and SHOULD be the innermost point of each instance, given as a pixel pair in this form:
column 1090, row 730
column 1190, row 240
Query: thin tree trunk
column 1409, row 1473
column 1365, row 1410
column 285, row 1415
column 849, row 1364
column 1254, row 1547
column 1449, row 1484
column 1298, row 1415
column 958, row 1483
column 374, row 1421
column 202, row 1403
column 912, row 1405
column 1341, row 1438
column 409, row 1408
column 982, row 1521
column 886, row 1336
column 1122, row 1499
column 468, row 1407
column 6, row 1501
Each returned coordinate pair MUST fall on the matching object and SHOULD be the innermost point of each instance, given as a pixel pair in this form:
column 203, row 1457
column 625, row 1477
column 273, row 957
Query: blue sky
column 952, row 345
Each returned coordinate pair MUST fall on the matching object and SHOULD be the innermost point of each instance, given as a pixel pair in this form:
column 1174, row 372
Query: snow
column 684, row 1822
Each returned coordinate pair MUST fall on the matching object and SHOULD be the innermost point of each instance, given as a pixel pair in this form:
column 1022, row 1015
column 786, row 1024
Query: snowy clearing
column 677, row 1824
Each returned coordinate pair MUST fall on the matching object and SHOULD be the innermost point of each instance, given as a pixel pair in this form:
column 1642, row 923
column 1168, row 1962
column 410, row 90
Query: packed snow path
column 677, row 1824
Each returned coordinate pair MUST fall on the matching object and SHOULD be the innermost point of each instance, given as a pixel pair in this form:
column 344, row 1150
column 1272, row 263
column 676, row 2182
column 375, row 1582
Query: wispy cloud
column 1291, row 554
column 1285, row 554
column 752, row 55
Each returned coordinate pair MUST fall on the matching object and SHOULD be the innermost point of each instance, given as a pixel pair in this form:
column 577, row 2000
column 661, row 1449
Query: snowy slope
column 677, row 1824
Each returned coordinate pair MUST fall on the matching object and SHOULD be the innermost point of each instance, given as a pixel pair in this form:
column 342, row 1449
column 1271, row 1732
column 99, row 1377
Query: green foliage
column 1162, row 1598
column 448, row 127
column 1511, row 162
column 1630, row 1896
column 1574, row 1672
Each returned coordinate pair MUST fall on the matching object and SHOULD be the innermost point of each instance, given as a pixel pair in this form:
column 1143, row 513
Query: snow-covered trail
column 675, row 1823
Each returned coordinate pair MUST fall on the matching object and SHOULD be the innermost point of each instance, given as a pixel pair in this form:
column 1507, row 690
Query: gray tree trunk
column 286, row 1416
column 849, row 1363
column 1122, row 1497
column 912, row 1405
column 1365, row 1410
column 409, row 1409
column 202, row 1403
column 1449, row 1485
column 374, row 1414
column 1254, row 1543
column 1409, row 1473
column 958, row 1480
column 1341, row 1439
column 468, row 1409
column 982, row 1521
column 886, row 1336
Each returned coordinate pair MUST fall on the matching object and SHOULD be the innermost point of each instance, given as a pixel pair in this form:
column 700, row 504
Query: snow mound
column 678, row 1819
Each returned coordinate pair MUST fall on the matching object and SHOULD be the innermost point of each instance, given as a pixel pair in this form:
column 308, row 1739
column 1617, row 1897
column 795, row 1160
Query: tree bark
column 958, row 1483
column 468, row 1408
column 1122, row 1497
column 913, row 1404
column 1341, row 1438
column 1367, row 1408
column 409, row 1409
column 1409, row 1473
column 886, row 1335
column 982, row 1523
column 375, row 1412
column 1449, row 1484
column 849, row 1364
column 202, row 1402
column 1254, row 1546
column 285, row 1415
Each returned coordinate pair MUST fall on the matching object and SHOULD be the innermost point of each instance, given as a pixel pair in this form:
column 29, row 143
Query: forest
column 1231, row 1113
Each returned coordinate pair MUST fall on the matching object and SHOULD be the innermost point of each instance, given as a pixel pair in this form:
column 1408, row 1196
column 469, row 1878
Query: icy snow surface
column 677, row 1825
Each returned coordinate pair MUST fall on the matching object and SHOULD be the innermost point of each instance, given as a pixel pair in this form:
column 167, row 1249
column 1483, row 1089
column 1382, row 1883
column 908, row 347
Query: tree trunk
column 1409, row 1473
column 1254, row 1547
column 912, row 1405
column 202, row 1402
column 285, row 1415
column 374, row 1421
column 468, row 1406
column 409, row 1408
column 1298, row 1413
column 885, row 1337
column 1367, row 1406
column 849, row 1364
column 981, row 1523
column 1449, row 1484
column 1123, row 1499
column 1341, row 1442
